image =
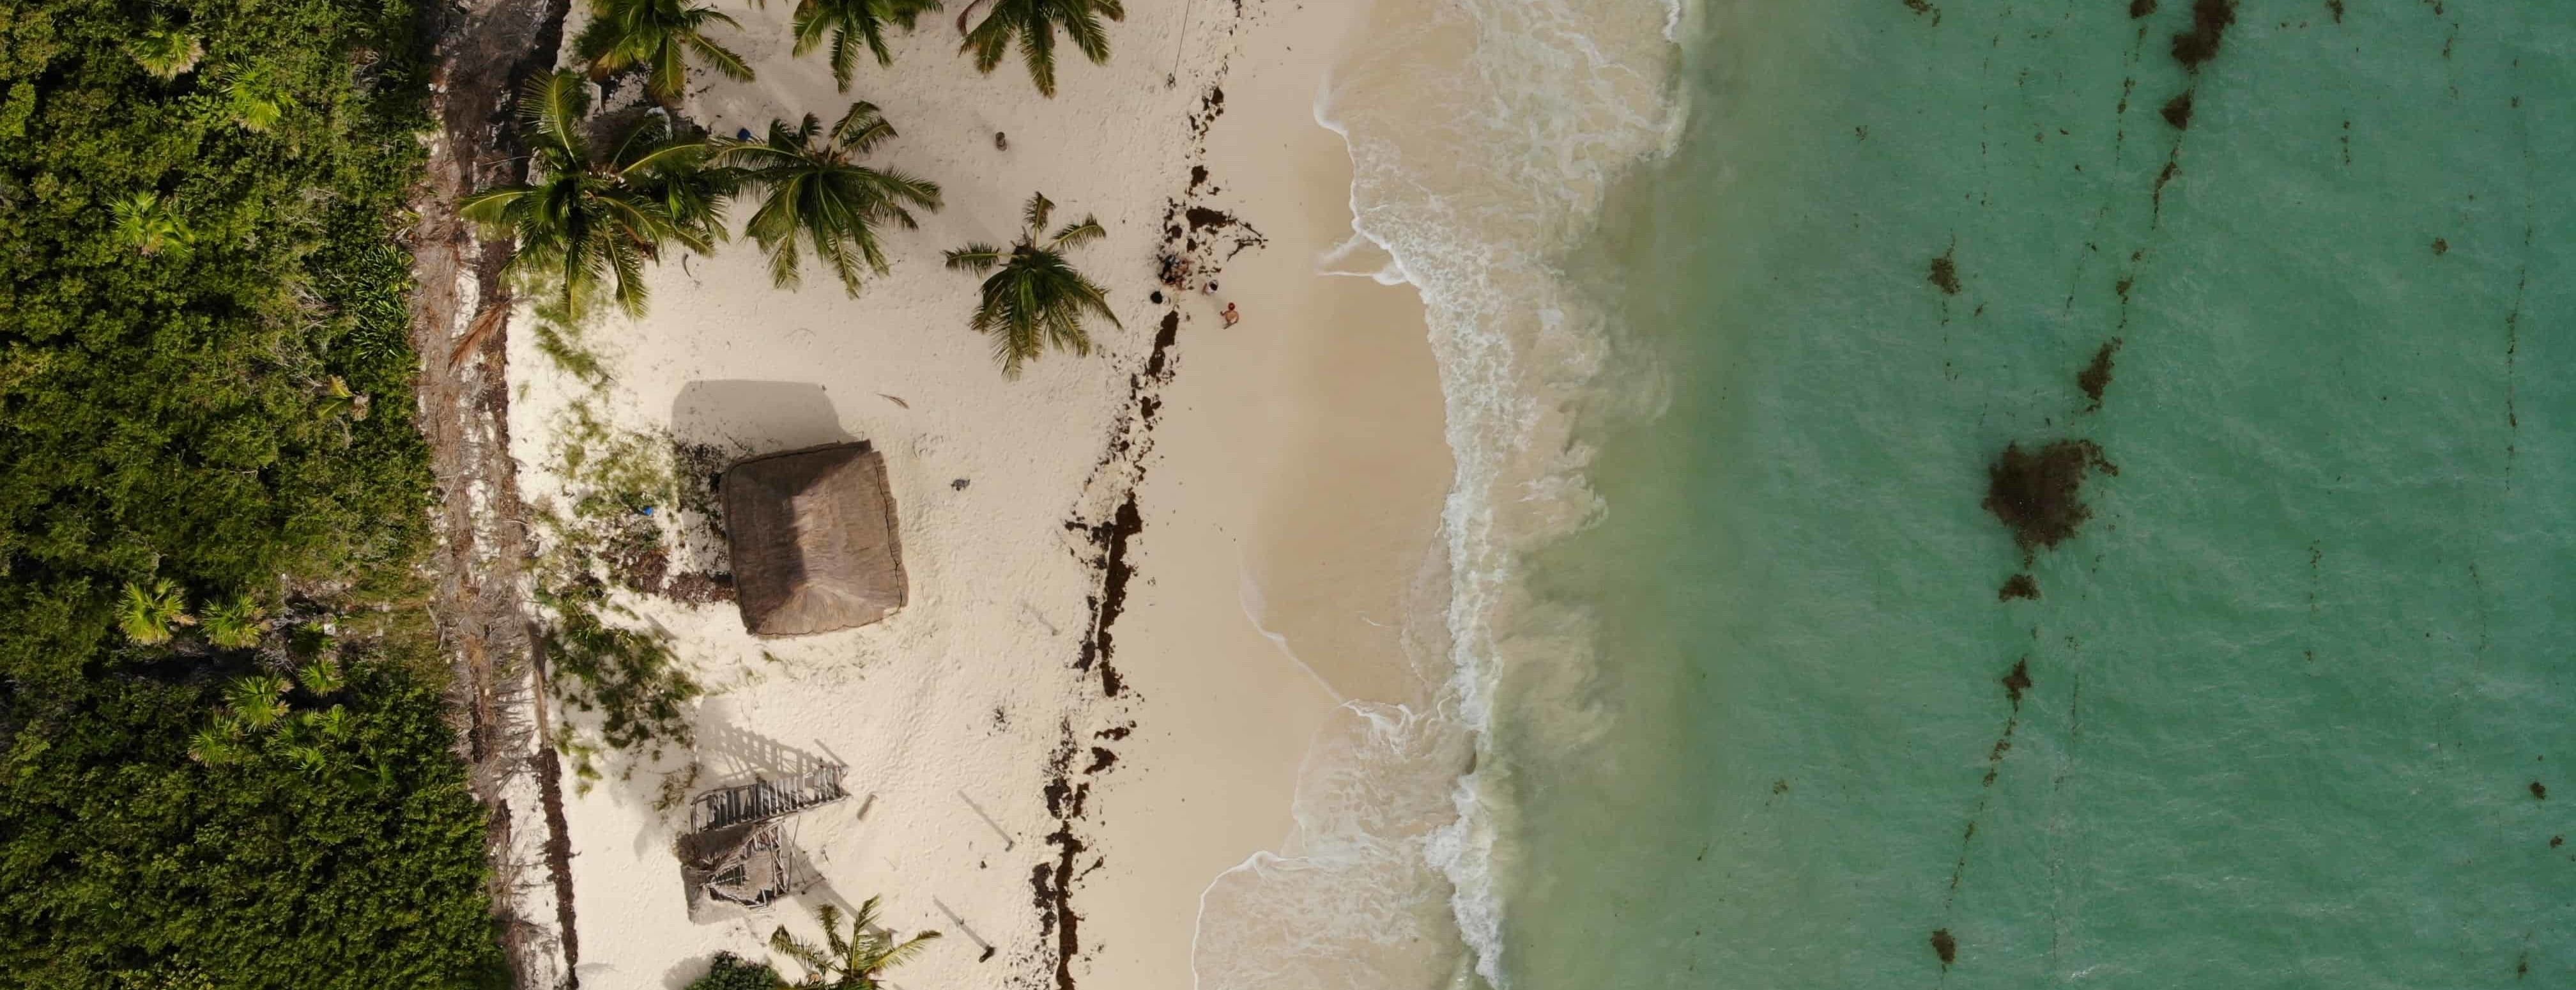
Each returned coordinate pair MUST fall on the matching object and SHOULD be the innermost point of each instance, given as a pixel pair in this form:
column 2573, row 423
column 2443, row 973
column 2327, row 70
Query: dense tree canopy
column 206, row 439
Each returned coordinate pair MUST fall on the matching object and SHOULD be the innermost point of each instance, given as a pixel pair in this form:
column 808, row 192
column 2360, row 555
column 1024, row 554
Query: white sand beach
column 1287, row 474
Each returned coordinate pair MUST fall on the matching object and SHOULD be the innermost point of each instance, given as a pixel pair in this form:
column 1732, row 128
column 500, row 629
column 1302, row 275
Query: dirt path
column 460, row 316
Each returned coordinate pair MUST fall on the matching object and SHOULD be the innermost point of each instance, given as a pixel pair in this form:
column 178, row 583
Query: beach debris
column 1001, row 141
column 896, row 399
column 958, row 485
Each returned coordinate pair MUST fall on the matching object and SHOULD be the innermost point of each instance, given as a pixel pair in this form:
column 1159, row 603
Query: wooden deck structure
column 737, row 850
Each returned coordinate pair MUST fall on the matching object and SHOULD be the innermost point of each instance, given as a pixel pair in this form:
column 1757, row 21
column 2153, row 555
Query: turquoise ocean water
column 2297, row 704
column 1740, row 308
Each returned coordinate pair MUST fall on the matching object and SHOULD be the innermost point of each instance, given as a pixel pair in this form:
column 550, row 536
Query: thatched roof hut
column 813, row 539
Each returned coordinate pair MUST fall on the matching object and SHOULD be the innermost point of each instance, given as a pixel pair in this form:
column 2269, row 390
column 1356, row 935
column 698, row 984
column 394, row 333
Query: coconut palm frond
column 846, row 25
column 976, row 258
column 818, row 965
column 1033, row 299
column 862, row 128
column 897, row 954
column 854, row 952
column 658, row 36
column 816, row 198
column 1078, row 234
column 1033, row 25
column 586, row 223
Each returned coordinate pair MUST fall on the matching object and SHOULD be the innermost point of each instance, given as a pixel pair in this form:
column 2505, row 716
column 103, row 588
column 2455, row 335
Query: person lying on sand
column 1230, row 316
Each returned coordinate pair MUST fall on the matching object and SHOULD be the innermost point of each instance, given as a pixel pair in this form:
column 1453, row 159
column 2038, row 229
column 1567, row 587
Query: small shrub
column 732, row 972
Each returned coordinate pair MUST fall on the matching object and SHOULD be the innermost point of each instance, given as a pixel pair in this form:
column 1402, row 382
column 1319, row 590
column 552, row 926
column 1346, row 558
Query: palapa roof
column 813, row 538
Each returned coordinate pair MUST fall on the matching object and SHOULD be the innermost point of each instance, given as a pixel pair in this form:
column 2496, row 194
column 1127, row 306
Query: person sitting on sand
column 1230, row 316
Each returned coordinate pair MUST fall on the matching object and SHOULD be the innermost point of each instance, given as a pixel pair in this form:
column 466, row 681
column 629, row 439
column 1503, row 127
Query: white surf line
column 1248, row 595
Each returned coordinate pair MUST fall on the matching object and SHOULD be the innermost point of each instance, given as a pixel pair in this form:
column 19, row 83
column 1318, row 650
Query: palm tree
column 322, row 677
column 587, row 217
column 150, row 226
column 165, row 52
column 847, row 23
column 148, row 611
column 852, row 961
column 234, row 624
column 813, row 187
column 1037, row 298
column 1034, row 23
column 332, row 723
column 658, row 35
column 257, row 701
column 218, row 743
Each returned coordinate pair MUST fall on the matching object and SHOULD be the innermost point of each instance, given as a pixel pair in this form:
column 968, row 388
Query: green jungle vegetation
column 222, row 756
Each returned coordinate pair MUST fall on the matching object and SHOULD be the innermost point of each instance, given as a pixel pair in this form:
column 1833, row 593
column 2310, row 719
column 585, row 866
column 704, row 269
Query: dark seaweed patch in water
column 2556, row 841
column 2210, row 20
column 1945, row 947
column 2178, row 111
column 1945, row 272
column 2335, row 7
column 2096, row 375
column 2441, row 246
column 2039, row 494
column 2014, row 684
column 2017, row 586
column 2141, row 8
column 2538, row 791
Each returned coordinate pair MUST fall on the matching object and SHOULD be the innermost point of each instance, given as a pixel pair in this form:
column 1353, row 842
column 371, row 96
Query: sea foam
column 1484, row 136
